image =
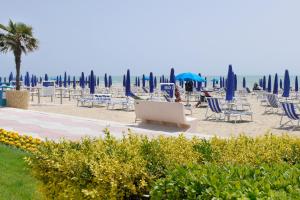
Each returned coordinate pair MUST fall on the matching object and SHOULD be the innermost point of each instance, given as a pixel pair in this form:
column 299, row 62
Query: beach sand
column 261, row 124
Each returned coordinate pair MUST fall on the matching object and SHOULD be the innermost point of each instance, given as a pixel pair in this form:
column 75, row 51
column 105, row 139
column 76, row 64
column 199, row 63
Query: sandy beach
column 262, row 123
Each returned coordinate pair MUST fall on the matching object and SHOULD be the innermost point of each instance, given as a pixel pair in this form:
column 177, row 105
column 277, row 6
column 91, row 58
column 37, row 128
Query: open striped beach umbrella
column 286, row 86
column 275, row 87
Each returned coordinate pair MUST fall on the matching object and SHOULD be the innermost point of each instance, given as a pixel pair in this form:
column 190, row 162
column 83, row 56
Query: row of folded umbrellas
column 230, row 82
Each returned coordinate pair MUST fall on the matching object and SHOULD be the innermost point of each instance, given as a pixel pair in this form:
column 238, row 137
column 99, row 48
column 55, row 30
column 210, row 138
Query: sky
column 256, row 37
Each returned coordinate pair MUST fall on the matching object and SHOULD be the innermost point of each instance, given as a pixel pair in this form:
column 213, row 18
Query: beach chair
column 215, row 108
column 125, row 103
column 218, row 112
column 289, row 110
column 273, row 103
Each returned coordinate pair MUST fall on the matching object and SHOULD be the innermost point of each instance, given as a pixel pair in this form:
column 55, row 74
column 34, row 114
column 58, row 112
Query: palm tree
column 17, row 38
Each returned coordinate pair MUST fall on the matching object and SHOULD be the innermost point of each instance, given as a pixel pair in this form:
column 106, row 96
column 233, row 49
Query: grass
column 15, row 179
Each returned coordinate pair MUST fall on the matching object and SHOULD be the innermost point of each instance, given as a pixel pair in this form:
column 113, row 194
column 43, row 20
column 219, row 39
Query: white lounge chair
column 164, row 112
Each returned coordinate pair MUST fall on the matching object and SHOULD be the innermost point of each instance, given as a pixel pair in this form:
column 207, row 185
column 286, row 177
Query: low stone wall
column 17, row 99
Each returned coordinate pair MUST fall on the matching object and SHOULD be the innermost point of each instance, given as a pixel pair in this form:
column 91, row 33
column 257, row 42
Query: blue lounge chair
column 273, row 103
column 290, row 112
column 215, row 107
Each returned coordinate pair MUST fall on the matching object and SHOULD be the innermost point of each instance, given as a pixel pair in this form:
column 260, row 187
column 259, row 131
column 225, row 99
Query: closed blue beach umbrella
column 127, row 87
column 124, row 80
column 92, row 83
column 280, row 84
column 21, row 78
column 139, row 82
column 82, row 81
column 235, row 83
column 98, row 81
column 11, row 77
column 143, row 81
column 275, row 87
column 105, row 80
column 57, row 80
column 65, row 79
column 155, row 82
column 244, row 82
column 74, row 82
column 109, row 81
column 199, row 84
column 286, row 85
column 32, row 80
column 69, row 80
column 230, row 84
column 136, row 81
column 60, row 81
column 205, row 83
column 46, row 77
column 172, row 76
column 264, row 83
column 151, row 84
column 296, row 84
column 269, row 84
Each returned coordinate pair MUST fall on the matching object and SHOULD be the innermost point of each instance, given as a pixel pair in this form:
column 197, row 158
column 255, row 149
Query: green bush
column 279, row 181
column 135, row 165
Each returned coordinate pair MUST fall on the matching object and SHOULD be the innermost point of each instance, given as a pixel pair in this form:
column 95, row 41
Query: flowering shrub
column 24, row 142
column 134, row 166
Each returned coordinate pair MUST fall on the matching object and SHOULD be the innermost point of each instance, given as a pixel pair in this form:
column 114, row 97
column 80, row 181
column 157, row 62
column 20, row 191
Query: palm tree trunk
column 18, row 66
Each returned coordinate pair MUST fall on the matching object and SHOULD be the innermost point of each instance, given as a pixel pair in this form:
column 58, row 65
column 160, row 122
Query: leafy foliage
column 169, row 167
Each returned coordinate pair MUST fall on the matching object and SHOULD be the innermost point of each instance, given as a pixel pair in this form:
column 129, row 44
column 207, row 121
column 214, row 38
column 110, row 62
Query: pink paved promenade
column 56, row 126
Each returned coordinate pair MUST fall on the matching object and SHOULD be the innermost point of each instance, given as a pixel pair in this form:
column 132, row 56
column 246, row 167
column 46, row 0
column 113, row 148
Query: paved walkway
column 55, row 126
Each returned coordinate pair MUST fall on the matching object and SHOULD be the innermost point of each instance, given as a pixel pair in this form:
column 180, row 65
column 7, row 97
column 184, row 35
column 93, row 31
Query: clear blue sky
column 257, row 36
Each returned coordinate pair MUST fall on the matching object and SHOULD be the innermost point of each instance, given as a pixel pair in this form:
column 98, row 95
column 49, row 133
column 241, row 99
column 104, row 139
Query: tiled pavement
column 56, row 126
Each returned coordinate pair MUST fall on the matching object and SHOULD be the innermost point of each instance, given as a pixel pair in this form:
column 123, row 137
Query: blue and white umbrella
column 287, row 84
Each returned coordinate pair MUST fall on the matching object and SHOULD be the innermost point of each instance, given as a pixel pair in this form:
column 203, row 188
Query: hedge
column 136, row 166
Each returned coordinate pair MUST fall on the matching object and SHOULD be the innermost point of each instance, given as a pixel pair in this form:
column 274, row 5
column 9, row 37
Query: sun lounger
column 218, row 113
column 290, row 112
column 164, row 112
column 273, row 103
